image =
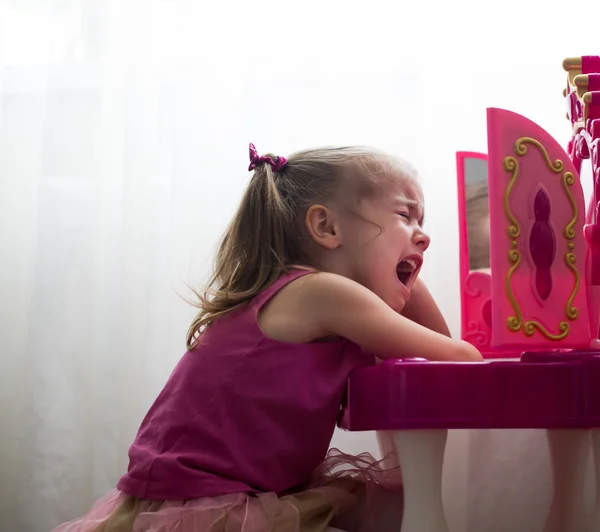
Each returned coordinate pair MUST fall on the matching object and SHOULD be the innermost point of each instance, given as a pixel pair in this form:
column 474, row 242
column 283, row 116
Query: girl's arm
column 422, row 309
column 333, row 305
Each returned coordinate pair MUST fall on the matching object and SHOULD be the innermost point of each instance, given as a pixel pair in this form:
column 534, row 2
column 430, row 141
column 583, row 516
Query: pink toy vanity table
column 535, row 318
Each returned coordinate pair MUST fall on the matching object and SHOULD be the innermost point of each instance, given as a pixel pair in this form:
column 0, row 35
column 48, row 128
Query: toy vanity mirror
column 474, row 239
column 477, row 213
column 522, row 248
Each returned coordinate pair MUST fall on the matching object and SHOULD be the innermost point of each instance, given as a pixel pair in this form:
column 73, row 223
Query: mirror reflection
column 477, row 214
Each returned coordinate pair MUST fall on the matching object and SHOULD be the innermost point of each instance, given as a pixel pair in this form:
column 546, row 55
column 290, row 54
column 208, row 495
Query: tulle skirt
column 352, row 493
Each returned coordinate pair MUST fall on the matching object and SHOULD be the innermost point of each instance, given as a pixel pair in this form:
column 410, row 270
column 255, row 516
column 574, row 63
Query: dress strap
column 263, row 298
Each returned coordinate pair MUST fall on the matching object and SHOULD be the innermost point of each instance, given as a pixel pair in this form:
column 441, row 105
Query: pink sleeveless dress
column 237, row 441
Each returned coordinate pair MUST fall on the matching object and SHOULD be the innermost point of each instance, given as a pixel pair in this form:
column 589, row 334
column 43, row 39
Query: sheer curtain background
column 123, row 152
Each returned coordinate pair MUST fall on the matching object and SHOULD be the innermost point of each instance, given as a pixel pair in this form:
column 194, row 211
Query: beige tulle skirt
column 352, row 493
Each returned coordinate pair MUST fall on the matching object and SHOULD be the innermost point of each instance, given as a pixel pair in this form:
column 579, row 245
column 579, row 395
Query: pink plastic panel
column 476, row 311
column 543, row 391
column 475, row 286
column 590, row 64
column 593, row 396
column 538, row 250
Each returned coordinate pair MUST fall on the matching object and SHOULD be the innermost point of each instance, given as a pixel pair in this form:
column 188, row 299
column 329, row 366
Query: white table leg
column 568, row 454
column 387, row 449
column 594, row 525
column 421, row 456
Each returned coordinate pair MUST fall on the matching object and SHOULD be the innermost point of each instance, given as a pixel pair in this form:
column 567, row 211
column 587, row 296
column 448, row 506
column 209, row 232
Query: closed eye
column 404, row 215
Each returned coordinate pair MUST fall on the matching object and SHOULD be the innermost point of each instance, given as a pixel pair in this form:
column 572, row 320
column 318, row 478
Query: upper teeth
column 412, row 263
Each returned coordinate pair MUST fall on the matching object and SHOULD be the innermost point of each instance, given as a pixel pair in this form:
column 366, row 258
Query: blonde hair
column 267, row 235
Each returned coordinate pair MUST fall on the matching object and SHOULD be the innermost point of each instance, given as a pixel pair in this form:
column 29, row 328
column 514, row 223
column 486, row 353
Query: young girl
column 313, row 275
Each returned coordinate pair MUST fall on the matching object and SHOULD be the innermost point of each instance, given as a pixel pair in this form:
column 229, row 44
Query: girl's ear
column 323, row 226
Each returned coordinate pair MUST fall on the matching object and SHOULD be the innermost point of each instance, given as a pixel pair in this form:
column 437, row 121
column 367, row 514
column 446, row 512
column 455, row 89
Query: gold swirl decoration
column 571, row 312
column 511, row 164
column 514, row 323
column 567, row 180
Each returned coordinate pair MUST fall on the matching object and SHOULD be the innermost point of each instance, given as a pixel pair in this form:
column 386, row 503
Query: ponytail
column 252, row 254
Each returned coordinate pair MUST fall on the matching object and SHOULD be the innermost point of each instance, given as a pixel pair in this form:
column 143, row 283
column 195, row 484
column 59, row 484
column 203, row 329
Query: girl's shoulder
column 286, row 311
column 293, row 274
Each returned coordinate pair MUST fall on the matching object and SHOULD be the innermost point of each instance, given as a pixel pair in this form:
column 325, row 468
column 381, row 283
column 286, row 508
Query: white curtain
column 123, row 152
